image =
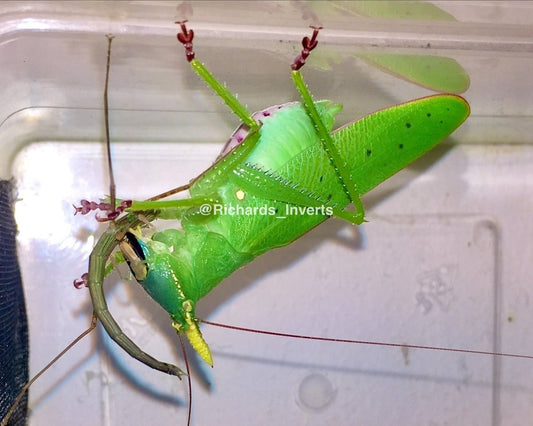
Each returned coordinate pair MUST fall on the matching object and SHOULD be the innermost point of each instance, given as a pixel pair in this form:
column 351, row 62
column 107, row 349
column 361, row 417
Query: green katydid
column 287, row 157
column 264, row 172
column 254, row 167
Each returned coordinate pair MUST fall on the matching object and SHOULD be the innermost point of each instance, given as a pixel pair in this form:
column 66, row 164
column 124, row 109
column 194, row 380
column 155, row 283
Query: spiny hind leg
column 337, row 162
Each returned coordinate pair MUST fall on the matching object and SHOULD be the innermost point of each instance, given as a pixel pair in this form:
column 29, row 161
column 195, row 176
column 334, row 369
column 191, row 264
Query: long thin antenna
column 112, row 186
column 5, row 420
column 189, row 380
column 366, row 342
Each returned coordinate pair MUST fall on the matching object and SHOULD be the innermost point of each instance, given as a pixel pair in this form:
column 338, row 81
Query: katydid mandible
column 283, row 172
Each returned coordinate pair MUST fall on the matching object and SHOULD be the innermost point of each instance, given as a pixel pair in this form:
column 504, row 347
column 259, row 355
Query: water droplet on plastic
column 316, row 392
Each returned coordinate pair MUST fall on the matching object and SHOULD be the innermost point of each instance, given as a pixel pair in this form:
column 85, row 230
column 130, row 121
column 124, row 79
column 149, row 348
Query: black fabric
column 13, row 321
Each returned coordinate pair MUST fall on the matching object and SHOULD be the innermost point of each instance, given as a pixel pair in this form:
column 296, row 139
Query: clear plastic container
column 445, row 259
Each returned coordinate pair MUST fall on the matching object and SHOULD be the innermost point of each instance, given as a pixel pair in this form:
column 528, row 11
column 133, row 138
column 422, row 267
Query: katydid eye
column 135, row 245
column 134, row 255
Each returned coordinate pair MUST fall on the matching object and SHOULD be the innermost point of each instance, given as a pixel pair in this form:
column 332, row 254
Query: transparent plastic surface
column 443, row 261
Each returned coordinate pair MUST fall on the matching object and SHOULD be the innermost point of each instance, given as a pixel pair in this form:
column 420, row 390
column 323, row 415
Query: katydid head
column 165, row 279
